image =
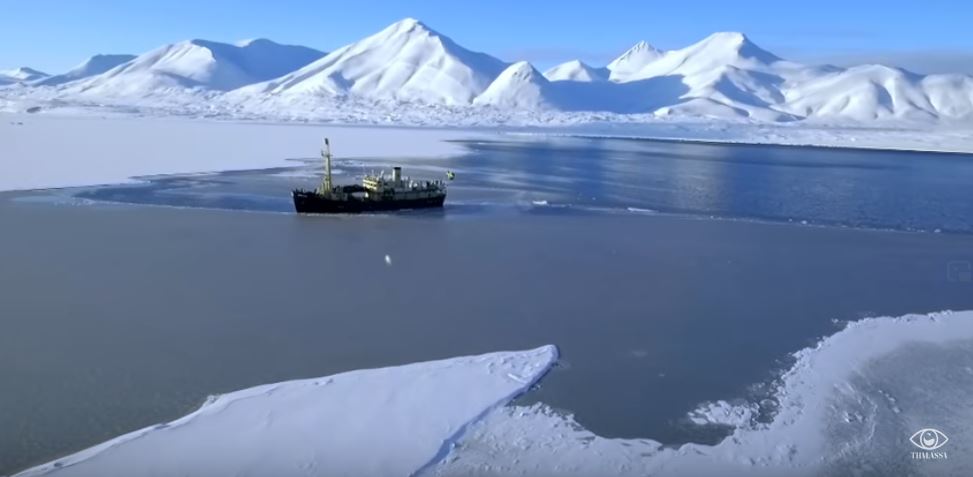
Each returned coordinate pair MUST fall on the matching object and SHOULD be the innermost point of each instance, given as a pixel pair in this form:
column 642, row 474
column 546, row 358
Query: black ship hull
column 310, row 202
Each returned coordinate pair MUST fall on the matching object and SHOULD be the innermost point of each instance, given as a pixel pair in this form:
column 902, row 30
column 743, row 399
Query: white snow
column 377, row 422
column 632, row 61
column 20, row 75
column 576, row 70
column 106, row 150
column 411, row 72
column 406, row 61
column 831, row 405
column 95, row 65
column 723, row 413
column 196, row 64
column 43, row 151
column 519, row 86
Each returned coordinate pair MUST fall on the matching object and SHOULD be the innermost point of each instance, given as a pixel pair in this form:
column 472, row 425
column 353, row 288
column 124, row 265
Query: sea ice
column 848, row 406
column 377, row 422
column 51, row 151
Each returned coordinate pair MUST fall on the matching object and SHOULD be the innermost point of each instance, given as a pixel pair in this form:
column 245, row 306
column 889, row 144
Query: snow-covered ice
column 847, row 406
column 378, row 422
column 38, row 151
column 47, row 150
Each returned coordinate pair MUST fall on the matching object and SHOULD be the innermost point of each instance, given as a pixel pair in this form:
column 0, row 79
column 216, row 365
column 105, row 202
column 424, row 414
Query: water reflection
column 871, row 189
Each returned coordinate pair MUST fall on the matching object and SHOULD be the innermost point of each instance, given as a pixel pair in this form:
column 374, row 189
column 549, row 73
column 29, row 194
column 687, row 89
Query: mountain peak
column 23, row 73
column 642, row 46
column 575, row 70
column 519, row 72
column 633, row 60
column 521, row 68
column 728, row 37
column 408, row 22
column 94, row 65
column 255, row 42
column 736, row 43
column 406, row 61
column 29, row 70
column 192, row 64
column 519, row 86
column 409, row 25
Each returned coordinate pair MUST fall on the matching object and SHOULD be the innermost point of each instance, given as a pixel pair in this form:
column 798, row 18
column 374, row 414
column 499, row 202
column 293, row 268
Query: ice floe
column 389, row 421
column 848, row 406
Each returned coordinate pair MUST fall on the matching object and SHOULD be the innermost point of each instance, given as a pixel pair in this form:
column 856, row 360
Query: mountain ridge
column 725, row 75
column 197, row 64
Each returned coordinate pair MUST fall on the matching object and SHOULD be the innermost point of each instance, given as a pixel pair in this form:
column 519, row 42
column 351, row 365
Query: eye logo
column 928, row 439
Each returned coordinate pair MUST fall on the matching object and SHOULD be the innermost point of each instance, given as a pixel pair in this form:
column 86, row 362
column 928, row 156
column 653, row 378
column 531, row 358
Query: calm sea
column 670, row 274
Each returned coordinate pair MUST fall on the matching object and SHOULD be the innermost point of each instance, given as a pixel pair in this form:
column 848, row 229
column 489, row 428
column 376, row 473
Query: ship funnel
column 396, row 173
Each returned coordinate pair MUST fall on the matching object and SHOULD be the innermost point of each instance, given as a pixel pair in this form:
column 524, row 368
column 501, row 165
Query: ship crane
column 326, row 186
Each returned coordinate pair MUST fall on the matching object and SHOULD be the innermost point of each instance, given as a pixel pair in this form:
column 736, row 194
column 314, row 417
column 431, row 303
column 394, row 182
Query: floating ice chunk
column 723, row 413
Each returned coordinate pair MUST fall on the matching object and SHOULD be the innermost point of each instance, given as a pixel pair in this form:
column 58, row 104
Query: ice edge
column 452, row 440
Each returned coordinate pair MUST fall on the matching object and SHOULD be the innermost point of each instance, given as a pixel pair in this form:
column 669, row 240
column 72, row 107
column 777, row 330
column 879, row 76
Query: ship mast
column 326, row 187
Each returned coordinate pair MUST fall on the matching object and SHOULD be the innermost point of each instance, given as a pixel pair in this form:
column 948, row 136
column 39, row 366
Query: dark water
column 843, row 187
column 118, row 316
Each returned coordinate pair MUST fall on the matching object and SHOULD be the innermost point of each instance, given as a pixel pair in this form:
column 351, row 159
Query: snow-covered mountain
column 725, row 75
column 520, row 86
column 95, row 65
column 198, row 64
column 633, row 60
column 20, row 75
column 407, row 61
column 880, row 92
column 576, row 70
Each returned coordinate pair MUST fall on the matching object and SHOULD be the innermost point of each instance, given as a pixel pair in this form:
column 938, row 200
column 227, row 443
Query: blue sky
column 927, row 36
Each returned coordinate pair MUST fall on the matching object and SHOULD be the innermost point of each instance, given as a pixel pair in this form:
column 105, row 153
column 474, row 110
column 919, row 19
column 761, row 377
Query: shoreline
column 837, row 136
column 731, row 142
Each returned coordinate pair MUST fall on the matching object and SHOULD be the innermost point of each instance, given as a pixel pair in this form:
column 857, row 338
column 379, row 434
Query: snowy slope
column 880, row 92
column 633, row 60
column 520, row 86
column 406, row 65
column 95, row 65
column 20, row 75
column 406, row 61
column 199, row 64
column 576, row 70
column 377, row 422
column 726, row 74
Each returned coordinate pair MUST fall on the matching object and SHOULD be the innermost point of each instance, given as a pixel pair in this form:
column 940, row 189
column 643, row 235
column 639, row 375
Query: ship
column 377, row 192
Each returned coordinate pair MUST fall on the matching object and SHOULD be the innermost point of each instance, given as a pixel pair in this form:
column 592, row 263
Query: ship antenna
column 326, row 154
